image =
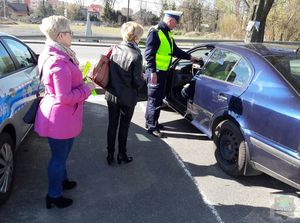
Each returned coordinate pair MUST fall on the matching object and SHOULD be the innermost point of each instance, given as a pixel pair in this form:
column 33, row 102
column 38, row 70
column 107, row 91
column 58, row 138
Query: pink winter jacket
column 60, row 112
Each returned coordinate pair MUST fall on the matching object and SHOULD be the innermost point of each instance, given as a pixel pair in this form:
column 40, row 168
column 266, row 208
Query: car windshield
column 289, row 67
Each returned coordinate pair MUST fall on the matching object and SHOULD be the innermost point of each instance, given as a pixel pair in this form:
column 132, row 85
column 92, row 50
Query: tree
column 282, row 20
column 43, row 10
column 145, row 17
column 107, row 12
column 260, row 11
column 60, row 9
column 192, row 11
column 74, row 12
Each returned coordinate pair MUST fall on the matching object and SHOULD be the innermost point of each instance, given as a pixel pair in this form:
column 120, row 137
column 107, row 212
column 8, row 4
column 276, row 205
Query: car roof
column 264, row 49
column 6, row 34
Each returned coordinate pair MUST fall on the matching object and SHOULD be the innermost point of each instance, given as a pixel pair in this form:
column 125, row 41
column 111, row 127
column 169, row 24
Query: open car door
column 182, row 72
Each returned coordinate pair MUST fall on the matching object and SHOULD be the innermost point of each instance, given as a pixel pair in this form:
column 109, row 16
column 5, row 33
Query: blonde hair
column 53, row 25
column 131, row 31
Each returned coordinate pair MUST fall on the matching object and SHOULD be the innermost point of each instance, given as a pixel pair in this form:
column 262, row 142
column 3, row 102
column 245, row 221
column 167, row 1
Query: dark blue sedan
column 246, row 98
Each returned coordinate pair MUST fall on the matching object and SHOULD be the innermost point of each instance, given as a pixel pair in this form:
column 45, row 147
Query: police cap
column 174, row 14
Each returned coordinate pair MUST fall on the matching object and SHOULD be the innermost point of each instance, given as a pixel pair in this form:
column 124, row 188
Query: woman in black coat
column 122, row 90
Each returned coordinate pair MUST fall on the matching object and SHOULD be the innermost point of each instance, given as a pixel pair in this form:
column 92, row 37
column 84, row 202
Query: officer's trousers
column 156, row 94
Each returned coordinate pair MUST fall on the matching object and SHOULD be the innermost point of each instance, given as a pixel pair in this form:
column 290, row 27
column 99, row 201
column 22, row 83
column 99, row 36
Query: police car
column 19, row 80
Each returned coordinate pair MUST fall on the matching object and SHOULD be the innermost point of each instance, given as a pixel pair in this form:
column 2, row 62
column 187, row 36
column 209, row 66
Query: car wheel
column 7, row 167
column 230, row 148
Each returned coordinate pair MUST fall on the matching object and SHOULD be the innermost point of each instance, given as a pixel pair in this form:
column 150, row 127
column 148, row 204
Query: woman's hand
column 91, row 85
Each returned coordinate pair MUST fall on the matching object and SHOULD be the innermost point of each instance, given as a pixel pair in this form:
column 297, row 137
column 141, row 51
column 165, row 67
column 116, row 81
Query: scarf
column 66, row 50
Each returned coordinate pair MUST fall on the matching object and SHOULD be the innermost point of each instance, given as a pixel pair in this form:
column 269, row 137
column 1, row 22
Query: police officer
column 160, row 47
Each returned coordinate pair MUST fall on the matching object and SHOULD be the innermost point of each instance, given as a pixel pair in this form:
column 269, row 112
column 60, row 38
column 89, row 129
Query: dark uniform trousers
column 156, row 94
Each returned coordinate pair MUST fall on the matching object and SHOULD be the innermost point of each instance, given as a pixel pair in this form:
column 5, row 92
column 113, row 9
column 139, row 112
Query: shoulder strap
column 109, row 52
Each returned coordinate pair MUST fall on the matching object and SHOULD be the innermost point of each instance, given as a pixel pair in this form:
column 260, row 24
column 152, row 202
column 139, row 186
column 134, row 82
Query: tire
column 7, row 166
column 230, row 148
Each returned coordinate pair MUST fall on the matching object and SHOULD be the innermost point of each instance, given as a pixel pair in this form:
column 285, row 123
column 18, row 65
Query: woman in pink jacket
column 60, row 113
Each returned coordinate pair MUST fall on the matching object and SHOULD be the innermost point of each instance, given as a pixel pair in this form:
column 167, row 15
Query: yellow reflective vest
column 164, row 53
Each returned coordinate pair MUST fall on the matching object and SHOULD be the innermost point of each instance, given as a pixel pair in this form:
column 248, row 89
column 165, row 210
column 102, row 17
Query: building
column 33, row 4
column 17, row 9
column 94, row 11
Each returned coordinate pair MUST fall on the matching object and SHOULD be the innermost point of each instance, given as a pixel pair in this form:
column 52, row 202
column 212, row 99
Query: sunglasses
column 70, row 32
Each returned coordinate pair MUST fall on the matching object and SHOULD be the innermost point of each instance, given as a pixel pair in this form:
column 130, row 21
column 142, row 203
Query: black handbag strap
column 41, row 74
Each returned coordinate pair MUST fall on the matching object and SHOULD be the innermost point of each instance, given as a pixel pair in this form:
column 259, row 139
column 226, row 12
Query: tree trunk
column 260, row 12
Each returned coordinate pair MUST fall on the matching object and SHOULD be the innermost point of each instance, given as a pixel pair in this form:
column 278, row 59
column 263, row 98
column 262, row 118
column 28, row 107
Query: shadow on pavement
column 153, row 188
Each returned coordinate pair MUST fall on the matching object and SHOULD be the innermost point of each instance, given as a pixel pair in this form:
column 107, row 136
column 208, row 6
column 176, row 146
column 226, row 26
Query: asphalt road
column 174, row 179
column 84, row 53
column 153, row 188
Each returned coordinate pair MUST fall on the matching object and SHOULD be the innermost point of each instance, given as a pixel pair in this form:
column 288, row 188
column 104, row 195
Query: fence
column 108, row 40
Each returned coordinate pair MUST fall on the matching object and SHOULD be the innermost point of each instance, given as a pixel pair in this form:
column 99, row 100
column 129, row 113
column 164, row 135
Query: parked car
column 19, row 80
column 247, row 99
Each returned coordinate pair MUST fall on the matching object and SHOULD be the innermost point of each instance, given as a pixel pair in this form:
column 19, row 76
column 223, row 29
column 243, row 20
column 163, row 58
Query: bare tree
column 260, row 11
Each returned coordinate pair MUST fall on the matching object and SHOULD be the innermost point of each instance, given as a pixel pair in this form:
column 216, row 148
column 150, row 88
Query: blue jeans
column 60, row 149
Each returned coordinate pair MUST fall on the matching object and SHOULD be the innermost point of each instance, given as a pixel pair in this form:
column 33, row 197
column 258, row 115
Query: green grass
column 79, row 29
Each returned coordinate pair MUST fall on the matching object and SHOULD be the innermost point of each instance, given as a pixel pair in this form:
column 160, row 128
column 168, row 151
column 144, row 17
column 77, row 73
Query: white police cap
column 174, row 14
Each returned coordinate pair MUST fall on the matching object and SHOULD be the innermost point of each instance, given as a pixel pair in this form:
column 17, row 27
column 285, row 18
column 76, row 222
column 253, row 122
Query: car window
column 201, row 53
column 241, row 73
column 289, row 67
column 21, row 52
column 220, row 64
column 295, row 69
column 6, row 63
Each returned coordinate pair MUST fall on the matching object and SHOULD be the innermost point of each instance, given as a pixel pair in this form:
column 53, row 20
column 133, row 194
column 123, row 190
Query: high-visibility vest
column 164, row 53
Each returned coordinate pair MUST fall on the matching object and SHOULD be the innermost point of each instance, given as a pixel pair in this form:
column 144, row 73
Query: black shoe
column 160, row 126
column 59, row 202
column 123, row 157
column 110, row 158
column 68, row 185
column 155, row 133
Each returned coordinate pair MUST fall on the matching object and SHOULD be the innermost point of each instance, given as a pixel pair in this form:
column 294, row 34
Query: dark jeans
column 156, row 94
column 57, row 172
column 119, row 120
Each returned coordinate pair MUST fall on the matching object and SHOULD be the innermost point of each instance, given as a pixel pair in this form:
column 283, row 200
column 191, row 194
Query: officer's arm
column 152, row 45
column 179, row 53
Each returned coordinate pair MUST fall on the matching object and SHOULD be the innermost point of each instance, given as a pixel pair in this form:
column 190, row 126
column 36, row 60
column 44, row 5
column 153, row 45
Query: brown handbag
column 100, row 72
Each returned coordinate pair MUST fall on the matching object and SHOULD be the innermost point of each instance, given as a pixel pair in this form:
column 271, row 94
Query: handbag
column 29, row 117
column 100, row 72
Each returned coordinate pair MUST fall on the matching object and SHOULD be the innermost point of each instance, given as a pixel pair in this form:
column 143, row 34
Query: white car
column 19, row 79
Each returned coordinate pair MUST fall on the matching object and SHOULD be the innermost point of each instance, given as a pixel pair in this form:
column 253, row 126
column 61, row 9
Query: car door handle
column 222, row 97
column 12, row 92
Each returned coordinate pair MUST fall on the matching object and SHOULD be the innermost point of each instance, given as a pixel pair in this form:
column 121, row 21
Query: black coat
column 125, row 74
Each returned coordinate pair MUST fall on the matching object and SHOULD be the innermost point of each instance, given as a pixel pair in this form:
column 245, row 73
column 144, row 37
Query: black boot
column 110, row 158
column 68, row 185
column 59, row 202
column 123, row 157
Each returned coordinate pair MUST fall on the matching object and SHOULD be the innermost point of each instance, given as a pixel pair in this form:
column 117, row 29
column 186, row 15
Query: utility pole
column 128, row 10
column 4, row 9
